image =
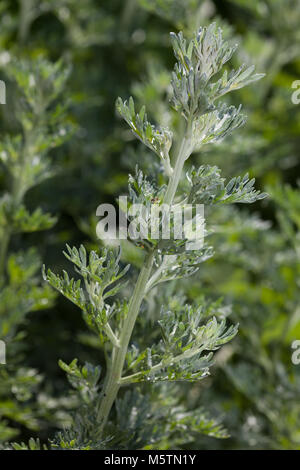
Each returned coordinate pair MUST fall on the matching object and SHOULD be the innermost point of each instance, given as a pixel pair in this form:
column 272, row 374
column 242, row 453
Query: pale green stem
column 114, row 374
column 115, row 341
column 112, row 384
column 184, row 152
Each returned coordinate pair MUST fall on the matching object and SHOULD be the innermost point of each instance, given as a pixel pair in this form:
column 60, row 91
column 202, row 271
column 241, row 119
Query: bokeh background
column 122, row 48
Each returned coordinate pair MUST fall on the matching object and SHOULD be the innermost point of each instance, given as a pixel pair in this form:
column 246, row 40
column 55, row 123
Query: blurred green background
column 122, row 48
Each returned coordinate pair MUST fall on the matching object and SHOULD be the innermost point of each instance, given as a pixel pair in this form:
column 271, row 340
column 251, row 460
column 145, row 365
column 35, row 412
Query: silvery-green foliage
column 84, row 379
column 255, row 263
column 179, row 354
column 215, row 126
column 136, row 425
column 148, row 200
column 143, row 191
column 208, row 187
column 41, row 114
column 199, row 60
column 177, row 266
column 157, row 139
column 137, row 416
column 101, row 280
column 190, row 334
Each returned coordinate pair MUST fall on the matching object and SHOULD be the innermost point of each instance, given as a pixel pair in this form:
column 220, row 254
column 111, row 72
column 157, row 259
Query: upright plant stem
column 112, row 385
column 114, row 375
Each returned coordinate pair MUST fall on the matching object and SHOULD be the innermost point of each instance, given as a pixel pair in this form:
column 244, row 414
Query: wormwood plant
column 24, row 155
column 189, row 333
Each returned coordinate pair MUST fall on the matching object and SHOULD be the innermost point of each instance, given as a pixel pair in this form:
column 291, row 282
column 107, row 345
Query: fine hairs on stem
column 190, row 333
